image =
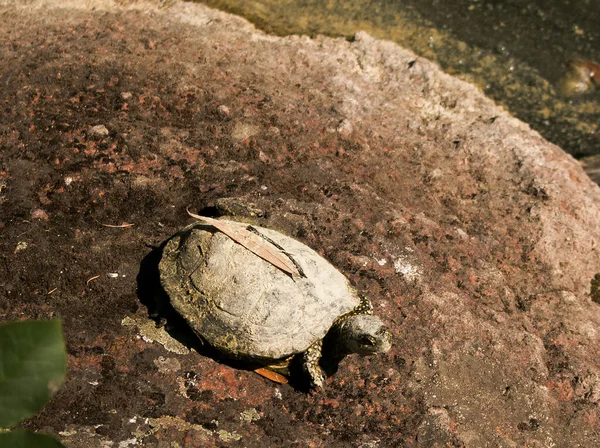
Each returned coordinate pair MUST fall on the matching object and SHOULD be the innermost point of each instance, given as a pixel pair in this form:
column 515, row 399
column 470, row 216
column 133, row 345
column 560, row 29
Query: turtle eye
column 367, row 340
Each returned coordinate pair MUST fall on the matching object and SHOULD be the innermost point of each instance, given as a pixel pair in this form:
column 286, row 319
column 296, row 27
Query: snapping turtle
column 248, row 309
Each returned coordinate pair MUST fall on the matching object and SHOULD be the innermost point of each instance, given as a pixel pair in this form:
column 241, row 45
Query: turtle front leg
column 310, row 361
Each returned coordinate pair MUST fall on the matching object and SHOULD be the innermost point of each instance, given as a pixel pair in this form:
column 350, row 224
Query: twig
column 120, row 226
column 90, row 279
column 112, row 226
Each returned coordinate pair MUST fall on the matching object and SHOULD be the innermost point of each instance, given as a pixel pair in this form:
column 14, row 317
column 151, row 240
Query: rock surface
column 474, row 238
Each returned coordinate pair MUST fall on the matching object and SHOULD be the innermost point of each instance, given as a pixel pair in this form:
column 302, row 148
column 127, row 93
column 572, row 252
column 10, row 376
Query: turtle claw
column 317, row 380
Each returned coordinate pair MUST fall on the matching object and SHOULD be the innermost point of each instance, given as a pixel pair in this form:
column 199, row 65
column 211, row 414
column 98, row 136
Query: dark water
column 514, row 50
column 541, row 33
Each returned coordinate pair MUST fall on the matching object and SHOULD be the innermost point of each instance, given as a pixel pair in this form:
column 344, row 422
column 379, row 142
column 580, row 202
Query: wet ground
column 515, row 51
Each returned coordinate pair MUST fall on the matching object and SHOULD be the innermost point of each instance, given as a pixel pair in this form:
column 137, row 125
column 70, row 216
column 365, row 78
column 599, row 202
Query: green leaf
column 27, row 439
column 32, row 367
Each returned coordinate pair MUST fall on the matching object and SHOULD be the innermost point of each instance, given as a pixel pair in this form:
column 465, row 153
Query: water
column 514, row 50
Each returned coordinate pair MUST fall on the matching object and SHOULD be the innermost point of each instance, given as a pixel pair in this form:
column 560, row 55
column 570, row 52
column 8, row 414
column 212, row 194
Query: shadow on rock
column 153, row 296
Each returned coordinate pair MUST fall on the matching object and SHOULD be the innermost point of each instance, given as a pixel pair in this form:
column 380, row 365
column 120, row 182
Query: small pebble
column 99, row 130
column 263, row 157
column 166, row 365
column 345, row 128
column 39, row 214
column 223, row 111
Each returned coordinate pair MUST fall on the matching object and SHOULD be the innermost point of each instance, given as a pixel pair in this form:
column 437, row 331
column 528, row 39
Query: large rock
column 474, row 238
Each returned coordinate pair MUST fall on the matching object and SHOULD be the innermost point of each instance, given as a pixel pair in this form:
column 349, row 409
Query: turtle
column 248, row 309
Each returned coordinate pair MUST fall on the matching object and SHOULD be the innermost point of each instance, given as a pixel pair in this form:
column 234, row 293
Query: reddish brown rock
column 475, row 239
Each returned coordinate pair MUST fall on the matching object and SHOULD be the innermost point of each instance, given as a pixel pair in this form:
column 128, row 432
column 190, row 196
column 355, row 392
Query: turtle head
column 364, row 334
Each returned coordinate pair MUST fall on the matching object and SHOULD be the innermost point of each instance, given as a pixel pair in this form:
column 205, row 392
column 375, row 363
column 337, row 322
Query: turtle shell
column 243, row 305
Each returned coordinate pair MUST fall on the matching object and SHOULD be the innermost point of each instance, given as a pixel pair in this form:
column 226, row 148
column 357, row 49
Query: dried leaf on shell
column 253, row 242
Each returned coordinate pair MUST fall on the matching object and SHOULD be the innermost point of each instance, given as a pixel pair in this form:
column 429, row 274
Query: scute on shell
column 243, row 305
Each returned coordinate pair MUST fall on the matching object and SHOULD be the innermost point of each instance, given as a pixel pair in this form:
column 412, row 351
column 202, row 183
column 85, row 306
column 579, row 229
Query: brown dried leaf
column 253, row 242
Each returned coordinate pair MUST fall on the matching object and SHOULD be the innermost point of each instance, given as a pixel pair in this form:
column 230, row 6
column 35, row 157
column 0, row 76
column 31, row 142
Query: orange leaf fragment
column 270, row 375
